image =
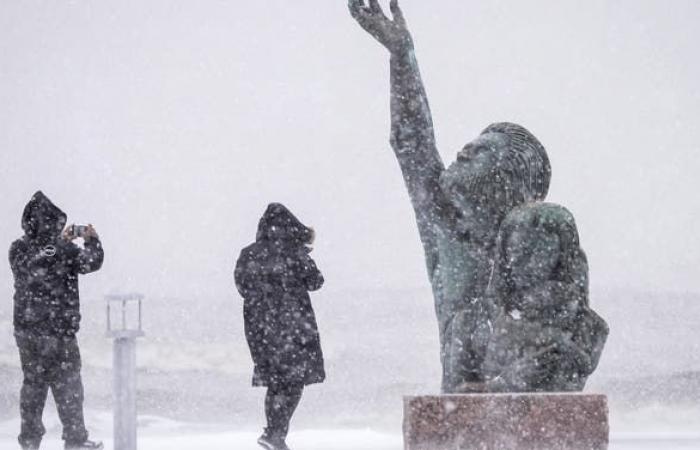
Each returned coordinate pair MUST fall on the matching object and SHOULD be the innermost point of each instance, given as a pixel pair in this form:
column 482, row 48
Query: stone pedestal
column 506, row 422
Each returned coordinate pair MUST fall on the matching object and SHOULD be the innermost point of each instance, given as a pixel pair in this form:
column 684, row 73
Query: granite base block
column 506, row 422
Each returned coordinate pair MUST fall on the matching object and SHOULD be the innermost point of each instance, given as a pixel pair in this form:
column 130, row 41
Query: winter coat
column 46, row 267
column 274, row 276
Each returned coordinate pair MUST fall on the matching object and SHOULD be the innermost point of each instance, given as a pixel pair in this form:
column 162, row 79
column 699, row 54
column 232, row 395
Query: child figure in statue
column 545, row 337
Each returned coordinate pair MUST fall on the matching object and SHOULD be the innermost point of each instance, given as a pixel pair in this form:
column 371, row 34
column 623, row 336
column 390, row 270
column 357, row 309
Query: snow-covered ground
column 348, row 440
column 163, row 434
column 157, row 433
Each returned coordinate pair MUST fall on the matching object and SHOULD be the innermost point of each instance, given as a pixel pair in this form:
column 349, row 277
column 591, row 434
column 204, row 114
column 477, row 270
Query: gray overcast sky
column 170, row 124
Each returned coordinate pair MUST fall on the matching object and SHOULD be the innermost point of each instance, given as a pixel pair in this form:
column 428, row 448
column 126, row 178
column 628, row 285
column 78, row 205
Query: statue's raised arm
column 501, row 177
column 412, row 134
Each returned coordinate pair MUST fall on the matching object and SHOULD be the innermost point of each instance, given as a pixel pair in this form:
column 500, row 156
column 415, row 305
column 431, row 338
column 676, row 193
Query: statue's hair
column 526, row 158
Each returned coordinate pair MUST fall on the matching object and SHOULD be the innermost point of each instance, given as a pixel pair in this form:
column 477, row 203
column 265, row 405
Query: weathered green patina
column 459, row 209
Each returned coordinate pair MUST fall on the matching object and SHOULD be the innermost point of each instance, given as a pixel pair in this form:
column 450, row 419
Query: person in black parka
column 274, row 276
column 46, row 264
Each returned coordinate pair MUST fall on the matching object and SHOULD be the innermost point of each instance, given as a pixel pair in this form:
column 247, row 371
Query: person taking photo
column 46, row 263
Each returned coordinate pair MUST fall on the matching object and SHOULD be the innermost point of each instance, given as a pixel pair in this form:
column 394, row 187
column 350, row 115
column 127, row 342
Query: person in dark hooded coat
column 46, row 263
column 274, row 276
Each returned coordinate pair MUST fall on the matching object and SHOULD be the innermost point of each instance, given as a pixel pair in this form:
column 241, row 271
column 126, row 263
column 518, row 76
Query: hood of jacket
column 41, row 219
column 278, row 224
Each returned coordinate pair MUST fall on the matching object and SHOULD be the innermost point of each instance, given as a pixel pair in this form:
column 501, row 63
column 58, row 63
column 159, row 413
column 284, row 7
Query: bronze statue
column 459, row 209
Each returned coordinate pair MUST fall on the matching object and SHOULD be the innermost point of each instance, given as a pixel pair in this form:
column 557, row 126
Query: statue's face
column 532, row 254
column 475, row 178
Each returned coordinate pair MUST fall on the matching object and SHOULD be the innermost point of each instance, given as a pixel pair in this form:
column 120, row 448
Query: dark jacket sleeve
column 18, row 257
column 91, row 256
column 19, row 262
column 312, row 277
column 246, row 275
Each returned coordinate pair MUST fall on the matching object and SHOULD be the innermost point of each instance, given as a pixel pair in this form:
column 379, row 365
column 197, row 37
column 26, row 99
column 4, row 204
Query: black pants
column 51, row 362
column 280, row 404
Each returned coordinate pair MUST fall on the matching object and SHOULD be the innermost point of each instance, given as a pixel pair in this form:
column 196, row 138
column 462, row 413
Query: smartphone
column 78, row 231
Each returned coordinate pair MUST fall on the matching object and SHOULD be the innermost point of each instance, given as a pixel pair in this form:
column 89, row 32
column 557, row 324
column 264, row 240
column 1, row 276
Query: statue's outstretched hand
column 392, row 34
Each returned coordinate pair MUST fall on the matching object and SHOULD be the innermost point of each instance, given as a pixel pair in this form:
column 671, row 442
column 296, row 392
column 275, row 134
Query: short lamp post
column 124, row 326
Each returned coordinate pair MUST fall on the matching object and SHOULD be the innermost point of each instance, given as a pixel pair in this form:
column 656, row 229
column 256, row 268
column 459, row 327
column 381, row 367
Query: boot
column 270, row 442
column 87, row 445
column 30, row 445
